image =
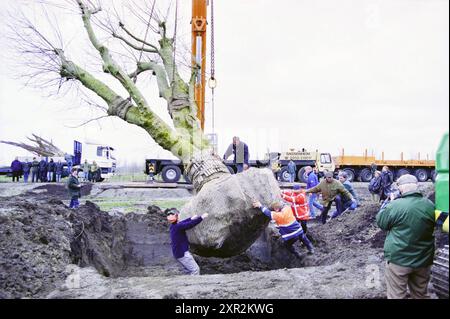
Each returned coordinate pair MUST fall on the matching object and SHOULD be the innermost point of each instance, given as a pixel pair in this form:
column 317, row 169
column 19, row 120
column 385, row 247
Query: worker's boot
column 324, row 217
column 308, row 244
column 296, row 252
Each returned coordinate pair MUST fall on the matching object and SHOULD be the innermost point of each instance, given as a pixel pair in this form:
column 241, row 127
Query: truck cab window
column 99, row 151
column 325, row 158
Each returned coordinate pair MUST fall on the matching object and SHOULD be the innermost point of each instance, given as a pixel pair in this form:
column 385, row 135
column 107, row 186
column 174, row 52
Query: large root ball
column 233, row 224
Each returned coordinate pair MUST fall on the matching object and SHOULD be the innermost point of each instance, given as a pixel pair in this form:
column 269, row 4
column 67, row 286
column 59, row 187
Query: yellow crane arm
column 198, row 24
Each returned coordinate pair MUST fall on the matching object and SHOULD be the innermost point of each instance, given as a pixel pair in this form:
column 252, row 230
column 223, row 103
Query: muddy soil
column 49, row 250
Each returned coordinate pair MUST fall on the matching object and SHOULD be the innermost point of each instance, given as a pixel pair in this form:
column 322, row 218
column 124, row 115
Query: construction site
column 74, row 226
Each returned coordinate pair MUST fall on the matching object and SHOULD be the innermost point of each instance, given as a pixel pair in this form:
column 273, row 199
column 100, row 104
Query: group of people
column 407, row 216
column 41, row 171
column 290, row 214
column 91, row 172
column 380, row 186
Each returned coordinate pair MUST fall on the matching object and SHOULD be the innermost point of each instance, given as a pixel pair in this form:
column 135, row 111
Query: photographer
column 409, row 247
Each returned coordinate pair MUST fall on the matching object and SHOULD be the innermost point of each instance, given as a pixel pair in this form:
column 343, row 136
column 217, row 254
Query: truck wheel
column 301, row 175
column 171, row 174
column 401, row 172
column 350, row 174
column 365, row 175
column 284, row 174
column 421, row 174
column 231, row 170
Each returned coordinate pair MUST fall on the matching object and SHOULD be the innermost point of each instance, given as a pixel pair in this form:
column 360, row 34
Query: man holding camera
column 409, row 245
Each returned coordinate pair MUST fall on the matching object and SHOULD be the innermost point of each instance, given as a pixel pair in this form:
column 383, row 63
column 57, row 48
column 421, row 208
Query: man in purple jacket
column 179, row 240
column 16, row 168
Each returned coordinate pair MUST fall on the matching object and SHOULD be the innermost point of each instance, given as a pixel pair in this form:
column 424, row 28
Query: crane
column 199, row 24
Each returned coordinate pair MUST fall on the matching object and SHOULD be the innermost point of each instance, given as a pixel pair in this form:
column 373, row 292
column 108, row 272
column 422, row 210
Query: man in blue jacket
column 16, row 168
column 240, row 151
column 43, row 170
column 179, row 240
column 312, row 181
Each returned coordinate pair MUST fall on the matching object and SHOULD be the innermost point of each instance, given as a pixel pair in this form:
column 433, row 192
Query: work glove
column 353, row 205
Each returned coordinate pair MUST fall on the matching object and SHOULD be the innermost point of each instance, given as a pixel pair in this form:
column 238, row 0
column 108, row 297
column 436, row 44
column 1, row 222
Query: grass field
column 5, row 179
column 134, row 205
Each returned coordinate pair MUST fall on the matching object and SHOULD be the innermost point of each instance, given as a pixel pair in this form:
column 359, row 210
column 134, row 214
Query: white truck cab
column 101, row 153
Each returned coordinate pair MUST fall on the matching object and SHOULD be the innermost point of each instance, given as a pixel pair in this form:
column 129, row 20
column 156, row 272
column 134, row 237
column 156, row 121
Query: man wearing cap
column 409, row 245
column 345, row 205
column 179, row 240
column 290, row 230
column 330, row 188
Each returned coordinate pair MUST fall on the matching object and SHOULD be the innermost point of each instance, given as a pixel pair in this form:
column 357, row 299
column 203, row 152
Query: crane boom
column 198, row 24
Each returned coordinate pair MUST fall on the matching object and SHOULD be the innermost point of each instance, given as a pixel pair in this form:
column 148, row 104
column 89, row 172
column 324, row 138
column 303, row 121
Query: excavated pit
column 40, row 237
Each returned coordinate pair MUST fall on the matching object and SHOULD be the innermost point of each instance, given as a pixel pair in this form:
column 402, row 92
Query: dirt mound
column 34, row 247
column 99, row 240
column 57, row 191
column 351, row 235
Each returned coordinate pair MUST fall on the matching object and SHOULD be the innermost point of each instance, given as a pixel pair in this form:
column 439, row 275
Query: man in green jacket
column 330, row 188
column 409, row 245
column 74, row 188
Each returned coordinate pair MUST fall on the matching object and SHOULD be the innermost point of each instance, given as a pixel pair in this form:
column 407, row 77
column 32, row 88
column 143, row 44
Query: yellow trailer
column 359, row 167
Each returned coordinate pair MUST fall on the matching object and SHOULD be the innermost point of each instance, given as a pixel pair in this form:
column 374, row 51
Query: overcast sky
column 322, row 75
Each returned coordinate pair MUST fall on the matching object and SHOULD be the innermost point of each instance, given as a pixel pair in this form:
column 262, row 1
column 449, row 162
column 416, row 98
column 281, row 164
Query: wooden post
column 382, row 156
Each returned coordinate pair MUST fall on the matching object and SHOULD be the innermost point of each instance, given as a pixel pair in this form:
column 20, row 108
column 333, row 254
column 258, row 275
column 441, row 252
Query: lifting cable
column 212, row 80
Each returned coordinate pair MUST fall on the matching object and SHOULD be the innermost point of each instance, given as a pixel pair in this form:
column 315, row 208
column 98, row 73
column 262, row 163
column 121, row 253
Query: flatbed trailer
column 359, row 167
column 172, row 170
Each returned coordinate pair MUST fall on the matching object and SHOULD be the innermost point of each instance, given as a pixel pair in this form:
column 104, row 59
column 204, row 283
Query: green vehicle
column 439, row 279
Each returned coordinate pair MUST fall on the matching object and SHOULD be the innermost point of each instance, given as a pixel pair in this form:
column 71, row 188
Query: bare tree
column 51, row 65
column 41, row 146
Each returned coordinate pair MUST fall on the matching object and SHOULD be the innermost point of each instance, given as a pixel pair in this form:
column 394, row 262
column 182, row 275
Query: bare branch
column 122, row 26
column 42, row 147
column 110, row 66
column 137, row 48
column 88, row 121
